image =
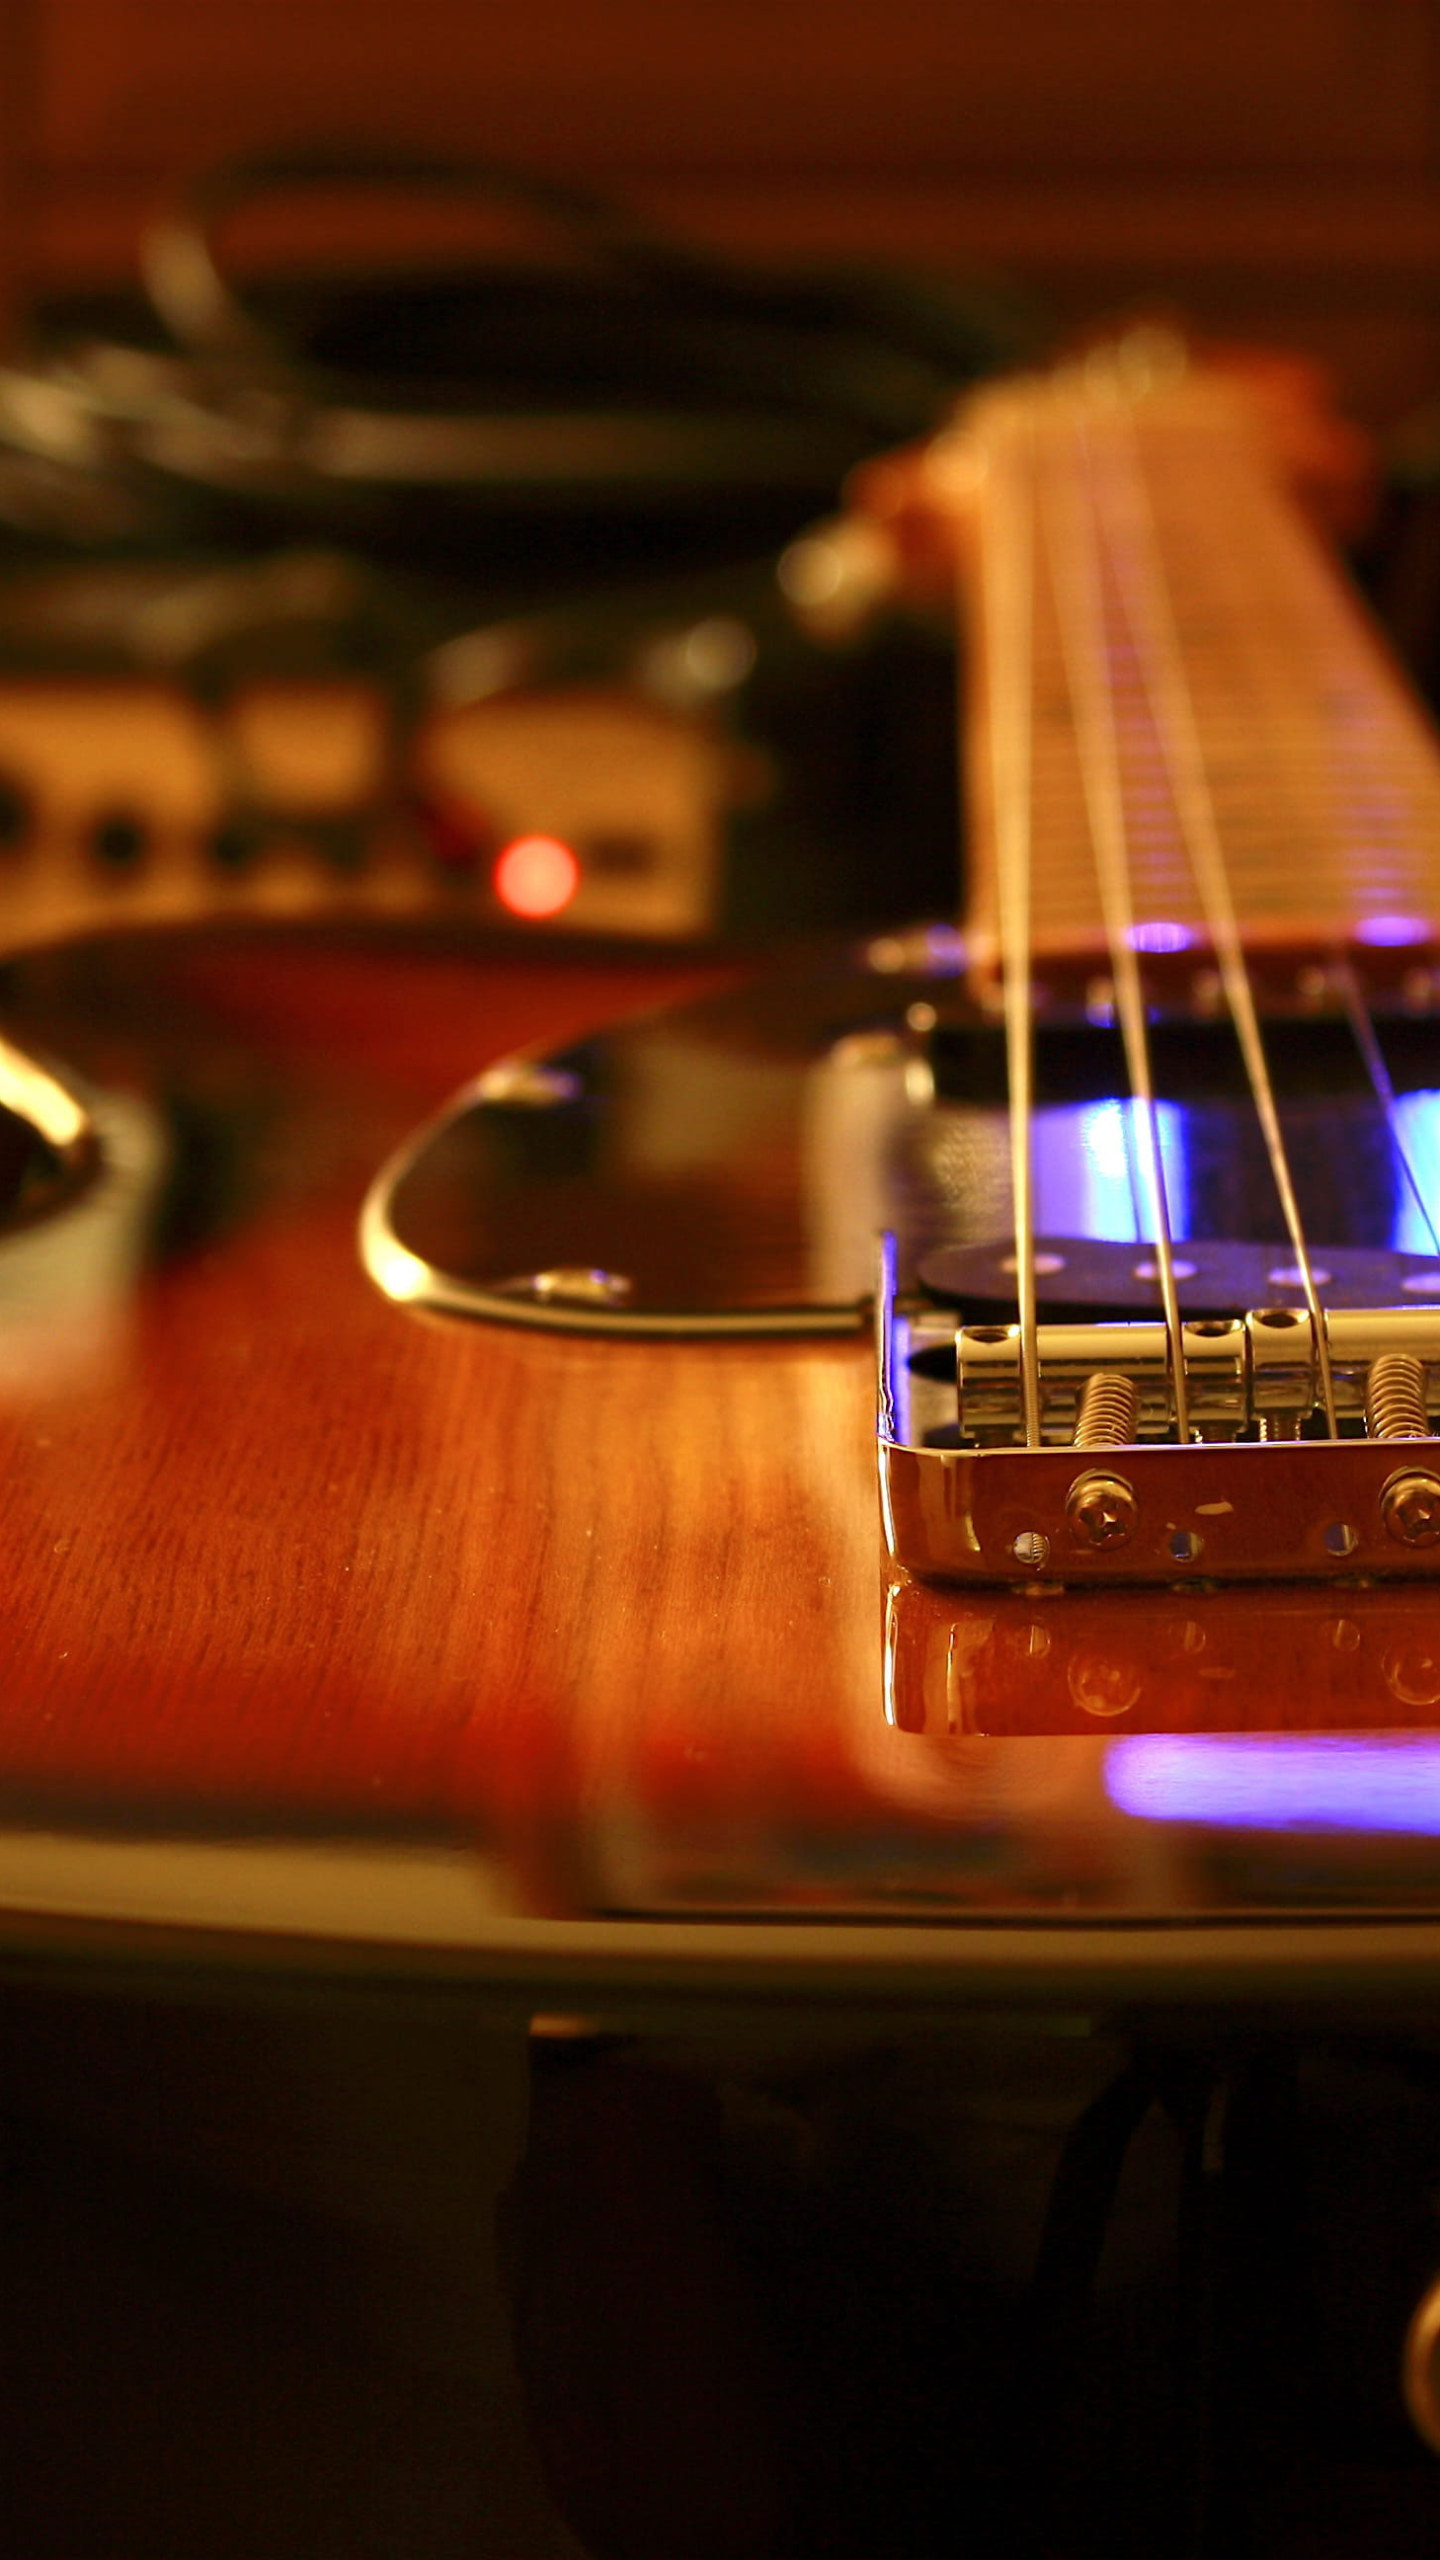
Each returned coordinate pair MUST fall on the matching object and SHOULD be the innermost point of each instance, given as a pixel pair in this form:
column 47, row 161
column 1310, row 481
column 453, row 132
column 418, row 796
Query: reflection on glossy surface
column 1114, row 1740
column 68, row 1281
column 532, row 1653
column 1090, row 1166
column 1417, row 1203
column 57, row 1115
column 734, row 1158
column 1233, row 1659
column 432, row 1893
column 1340, row 1784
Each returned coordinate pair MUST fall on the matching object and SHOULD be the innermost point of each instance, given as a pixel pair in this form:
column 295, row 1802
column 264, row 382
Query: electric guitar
column 520, row 1585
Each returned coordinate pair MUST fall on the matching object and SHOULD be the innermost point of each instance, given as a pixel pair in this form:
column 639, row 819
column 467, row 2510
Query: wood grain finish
column 290, row 1544
column 518, row 1629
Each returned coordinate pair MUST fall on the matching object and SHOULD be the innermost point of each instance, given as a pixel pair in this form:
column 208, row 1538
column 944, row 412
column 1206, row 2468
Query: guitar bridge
column 1263, row 1487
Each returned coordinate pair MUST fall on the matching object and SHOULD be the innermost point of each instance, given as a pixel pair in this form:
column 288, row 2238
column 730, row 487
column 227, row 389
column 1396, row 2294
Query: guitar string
column 1007, row 590
column 1357, row 1013
column 1072, row 535
column 1359, row 778
column 1138, row 559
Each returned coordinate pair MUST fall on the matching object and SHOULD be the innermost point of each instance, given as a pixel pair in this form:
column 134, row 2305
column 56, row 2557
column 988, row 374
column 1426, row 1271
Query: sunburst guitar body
column 885, row 1503
column 496, row 1482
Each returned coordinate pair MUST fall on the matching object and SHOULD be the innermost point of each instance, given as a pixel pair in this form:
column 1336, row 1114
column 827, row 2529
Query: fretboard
column 1158, row 542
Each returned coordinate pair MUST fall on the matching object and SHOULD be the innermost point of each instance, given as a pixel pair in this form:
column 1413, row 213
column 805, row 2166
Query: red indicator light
column 535, row 876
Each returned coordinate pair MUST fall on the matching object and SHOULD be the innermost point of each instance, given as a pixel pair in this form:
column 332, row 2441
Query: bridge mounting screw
column 1102, row 1509
column 1410, row 1508
column 580, row 1286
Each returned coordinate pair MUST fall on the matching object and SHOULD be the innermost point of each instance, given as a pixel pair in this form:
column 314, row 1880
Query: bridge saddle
column 1263, row 1489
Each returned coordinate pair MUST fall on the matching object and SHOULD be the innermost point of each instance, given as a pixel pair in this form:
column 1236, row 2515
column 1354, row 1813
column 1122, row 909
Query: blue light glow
column 1340, row 1784
column 1392, row 933
column 1161, row 937
column 1090, row 1166
column 1417, row 1118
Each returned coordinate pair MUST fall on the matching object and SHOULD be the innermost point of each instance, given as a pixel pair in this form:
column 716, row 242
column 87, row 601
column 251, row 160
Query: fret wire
column 1288, row 678
column 1007, row 588
column 1073, row 538
column 1357, row 1013
column 1167, row 684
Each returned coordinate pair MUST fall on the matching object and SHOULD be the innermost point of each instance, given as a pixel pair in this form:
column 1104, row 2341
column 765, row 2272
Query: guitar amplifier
column 592, row 807
column 694, row 766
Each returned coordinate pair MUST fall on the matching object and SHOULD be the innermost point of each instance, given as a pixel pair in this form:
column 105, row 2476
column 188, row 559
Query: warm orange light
column 535, row 876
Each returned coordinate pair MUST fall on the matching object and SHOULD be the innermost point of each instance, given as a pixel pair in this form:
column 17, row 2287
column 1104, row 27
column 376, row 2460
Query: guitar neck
column 1168, row 584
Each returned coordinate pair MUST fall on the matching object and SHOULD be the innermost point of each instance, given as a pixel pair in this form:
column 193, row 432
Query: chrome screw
column 527, row 1084
column 1102, row 1510
column 579, row 1286
column 1410, row 1508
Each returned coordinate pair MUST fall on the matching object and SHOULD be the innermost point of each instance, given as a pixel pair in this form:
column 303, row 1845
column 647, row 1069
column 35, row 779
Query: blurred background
column 410, row 417
column 1271, row 169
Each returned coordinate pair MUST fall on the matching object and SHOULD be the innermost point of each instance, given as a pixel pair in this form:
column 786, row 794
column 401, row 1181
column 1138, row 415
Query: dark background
column 1274, row 169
